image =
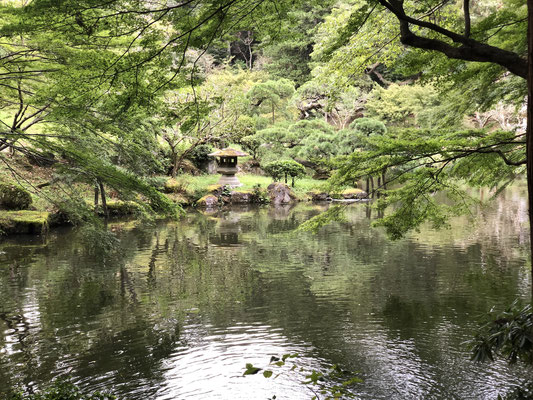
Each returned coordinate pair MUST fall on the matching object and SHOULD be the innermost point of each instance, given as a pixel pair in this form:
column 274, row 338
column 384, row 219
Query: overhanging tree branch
column 468, row 49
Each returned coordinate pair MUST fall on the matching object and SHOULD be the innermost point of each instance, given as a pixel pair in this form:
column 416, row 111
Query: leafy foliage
column 288, row 47
column 508, row 334
column 271, row 96
column 368, row 127
column 333, row 383
column 335, row 213
column 401, row 105
column 200, row 154
column 252, row 144
column 423, row 163
column 284, row 168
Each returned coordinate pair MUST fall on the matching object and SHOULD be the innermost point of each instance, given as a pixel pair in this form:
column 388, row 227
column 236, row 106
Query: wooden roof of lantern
column 228, row 152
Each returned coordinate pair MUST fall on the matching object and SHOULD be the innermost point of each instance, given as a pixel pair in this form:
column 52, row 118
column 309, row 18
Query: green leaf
column 251, row 370
column 314, row 377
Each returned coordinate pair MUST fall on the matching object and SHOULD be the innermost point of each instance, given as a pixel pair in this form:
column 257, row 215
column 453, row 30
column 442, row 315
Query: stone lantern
column 227, row 166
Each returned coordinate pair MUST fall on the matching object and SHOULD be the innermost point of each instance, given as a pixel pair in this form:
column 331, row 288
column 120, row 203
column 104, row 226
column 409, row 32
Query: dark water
column 184, row 306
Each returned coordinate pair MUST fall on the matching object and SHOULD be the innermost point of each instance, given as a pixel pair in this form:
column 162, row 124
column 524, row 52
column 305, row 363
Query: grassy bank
column 54, row 201
column 195, row 187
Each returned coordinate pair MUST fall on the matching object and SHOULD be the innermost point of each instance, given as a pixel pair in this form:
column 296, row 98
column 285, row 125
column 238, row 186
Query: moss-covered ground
column 23, row 221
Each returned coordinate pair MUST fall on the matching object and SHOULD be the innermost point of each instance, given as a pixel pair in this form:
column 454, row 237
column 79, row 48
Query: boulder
column 318, row 196
column 120, row 208
column 173, row 186
column 362, row 195
column 13, row 197
column 212, row 167
column 350, row 194
column 215, row 190
column 208, row 201
column 240, row 197
column 280, row 193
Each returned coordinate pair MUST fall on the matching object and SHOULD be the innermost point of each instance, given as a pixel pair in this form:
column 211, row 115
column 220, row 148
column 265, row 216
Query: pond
column 181, row 307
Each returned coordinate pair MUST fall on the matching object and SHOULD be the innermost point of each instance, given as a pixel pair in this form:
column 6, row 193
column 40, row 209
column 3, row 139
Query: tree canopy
column 136, row 87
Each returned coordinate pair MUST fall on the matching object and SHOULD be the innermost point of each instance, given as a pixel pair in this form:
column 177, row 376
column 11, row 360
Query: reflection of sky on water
column 184, row 306
column 212, row 363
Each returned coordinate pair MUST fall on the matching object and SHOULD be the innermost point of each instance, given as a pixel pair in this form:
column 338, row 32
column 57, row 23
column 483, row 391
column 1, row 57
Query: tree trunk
column 372, row 187
column 367, row 185
column 96, row 194
column 251, row 63
column 174, row 165
column 104, row 202
column 529, row 133
column 383, row 178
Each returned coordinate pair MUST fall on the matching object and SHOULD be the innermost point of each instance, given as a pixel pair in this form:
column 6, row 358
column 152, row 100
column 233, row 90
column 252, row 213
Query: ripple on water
column 213, row 368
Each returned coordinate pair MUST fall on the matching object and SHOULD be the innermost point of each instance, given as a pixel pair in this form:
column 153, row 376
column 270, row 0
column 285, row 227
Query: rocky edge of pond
column 17, row 216
column 276, row 193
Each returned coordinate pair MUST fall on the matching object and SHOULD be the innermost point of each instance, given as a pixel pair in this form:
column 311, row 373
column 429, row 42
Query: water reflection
column 228, row 228
column 180, row 309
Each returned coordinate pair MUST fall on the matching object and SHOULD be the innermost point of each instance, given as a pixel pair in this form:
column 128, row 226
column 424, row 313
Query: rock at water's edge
column 280, row 193
column 208, row 201
column 354, row 194
column 318, row 196
column 240, row 197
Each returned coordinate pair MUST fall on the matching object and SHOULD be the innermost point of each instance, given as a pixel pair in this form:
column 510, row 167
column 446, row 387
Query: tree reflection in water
column 183, row 306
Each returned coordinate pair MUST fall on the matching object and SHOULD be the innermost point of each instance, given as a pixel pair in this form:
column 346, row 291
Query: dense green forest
column 116, row 93
column 106, row 101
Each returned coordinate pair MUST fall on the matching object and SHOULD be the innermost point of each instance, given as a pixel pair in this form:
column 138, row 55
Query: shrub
column 368, row 126
column 251, row 144
column 158, row 182
column 508, row 334
column 284, row 168
column 200, row 155
column 259, row 196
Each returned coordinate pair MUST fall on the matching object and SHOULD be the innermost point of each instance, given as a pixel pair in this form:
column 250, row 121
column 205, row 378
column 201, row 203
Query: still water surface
column 183, row 306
